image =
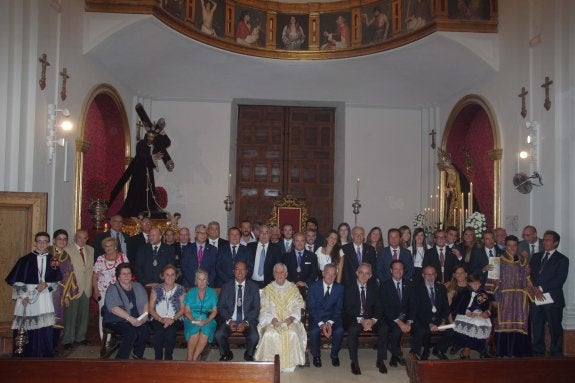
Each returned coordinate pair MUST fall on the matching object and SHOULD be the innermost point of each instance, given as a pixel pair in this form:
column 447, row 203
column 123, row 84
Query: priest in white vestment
column 280, row 328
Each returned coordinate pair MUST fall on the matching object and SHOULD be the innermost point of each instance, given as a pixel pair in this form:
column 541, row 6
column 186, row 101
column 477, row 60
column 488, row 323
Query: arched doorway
column 103, row 150
column 472, row 139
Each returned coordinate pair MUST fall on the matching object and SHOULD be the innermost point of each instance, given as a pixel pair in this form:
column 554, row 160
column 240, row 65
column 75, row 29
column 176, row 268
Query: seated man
column 280, row 329
column 238, row 310
column 325, row 303
column 361, row 309
column 397, row 310
column 431, row 310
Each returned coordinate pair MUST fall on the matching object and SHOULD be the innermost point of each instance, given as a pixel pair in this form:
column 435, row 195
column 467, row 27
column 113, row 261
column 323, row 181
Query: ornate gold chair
column 289, row 210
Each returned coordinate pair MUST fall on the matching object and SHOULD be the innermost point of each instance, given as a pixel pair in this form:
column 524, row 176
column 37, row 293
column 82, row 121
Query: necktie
column 239, row 313
column 532, row 249
column 432, row 295
column 398, row 291
column 155, row 250
column 262, row 261
column 544, row 260
column 215, row 244
column 82, row 255
column 358, row 252
column 395, row 254
column 326, row 295
column 298, row 258
column 310, row 247
column 146, row 237
column 362, row 297
column 490, row 253
column 200, row 255
column 234, row 252
column 287, row 245
column 118, row 242
column 441, row 257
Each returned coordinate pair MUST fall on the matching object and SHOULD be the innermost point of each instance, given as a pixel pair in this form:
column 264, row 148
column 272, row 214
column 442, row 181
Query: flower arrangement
column 478, row 222
column 422, row 220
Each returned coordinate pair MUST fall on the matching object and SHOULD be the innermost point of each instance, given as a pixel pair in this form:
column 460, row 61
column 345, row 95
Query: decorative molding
column 403, row 28
column 82, row 146
column 495, row 154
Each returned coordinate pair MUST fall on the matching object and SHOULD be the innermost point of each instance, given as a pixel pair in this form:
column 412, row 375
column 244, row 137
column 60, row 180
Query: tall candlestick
column 230, row 184
column 437, row 217
column 357, row 190
column 471, row 198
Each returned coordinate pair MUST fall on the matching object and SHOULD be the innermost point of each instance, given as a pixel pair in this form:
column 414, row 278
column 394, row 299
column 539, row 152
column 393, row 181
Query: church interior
column 493, row 96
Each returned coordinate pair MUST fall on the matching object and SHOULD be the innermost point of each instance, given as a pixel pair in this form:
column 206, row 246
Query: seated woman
column 166, row 308
column 125, row 303
column 472, row 324
column 280, row 328
column 200, row 310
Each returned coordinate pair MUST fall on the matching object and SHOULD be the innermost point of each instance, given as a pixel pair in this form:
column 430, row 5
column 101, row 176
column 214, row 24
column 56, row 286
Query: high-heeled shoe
column 461, row 356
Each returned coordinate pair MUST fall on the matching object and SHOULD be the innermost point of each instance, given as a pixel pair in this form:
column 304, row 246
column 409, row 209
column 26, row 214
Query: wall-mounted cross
column 523, row 107
column 546, row 84
column 65, row 77
column 44, row 62
column 432, row 134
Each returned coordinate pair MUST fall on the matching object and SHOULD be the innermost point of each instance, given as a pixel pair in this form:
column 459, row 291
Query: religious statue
column 141, row 197
column 452, row 188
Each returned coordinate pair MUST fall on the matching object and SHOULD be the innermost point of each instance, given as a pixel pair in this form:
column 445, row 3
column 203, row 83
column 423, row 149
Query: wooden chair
column 289, row 210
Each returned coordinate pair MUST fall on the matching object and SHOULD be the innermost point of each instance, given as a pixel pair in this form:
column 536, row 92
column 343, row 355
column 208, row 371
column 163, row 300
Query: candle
column 437, row 212
column 461, row 217
column 357, row 191
column 230, row 184
column 471, row 197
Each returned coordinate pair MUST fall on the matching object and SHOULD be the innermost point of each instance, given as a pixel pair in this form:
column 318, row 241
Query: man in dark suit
column 325, row 303
column 214, row 236
column 441, row 258
column 531, row 243
column 313, row 224
column 138, row 240
column 311, row 240
column 391, row 253
column 238, row 311
column 355, row 253
column 548, row 273
column 398, row 313
column 116, row 223
column 263, row 256
column 479, row 262
column 302, row 265
column 431, row 311
column 151, row 259
column 287, row 238
column 229, row 255
column 362, row 308
column 199, row 254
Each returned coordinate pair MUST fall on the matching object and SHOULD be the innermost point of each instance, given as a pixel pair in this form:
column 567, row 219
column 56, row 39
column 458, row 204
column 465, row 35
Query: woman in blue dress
column 200, row 313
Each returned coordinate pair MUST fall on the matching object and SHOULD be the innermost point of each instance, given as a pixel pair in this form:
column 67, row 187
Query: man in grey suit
column 531, row 243
column 238, row 311
column 77, row 313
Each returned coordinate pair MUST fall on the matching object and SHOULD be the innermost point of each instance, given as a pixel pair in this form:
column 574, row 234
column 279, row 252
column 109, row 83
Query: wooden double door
column 285, row 151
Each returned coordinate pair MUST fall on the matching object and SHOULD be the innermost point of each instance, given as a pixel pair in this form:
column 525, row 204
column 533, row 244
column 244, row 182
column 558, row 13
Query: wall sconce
column 532, row 142
column 52, row 140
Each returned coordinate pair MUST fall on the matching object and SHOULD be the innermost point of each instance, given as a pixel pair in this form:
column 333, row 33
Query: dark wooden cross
column 546, row 84
column 523, row 107
column 65, row 77
column 44, row 61
column 432, row 134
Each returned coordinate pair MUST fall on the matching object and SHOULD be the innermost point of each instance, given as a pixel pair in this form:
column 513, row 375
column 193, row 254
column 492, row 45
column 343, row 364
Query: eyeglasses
column 42, row 241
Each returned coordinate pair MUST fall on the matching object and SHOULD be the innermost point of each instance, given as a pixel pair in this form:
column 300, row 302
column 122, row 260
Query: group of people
column 272, row 281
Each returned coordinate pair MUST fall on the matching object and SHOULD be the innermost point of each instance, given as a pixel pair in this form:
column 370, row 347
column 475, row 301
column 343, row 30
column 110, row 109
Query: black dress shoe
column 317, row 361
column 86, row 342
column 393, row 362
column 424, row 356
column 248, row 358
column 381, row 367
column 137, row 357
column 68, row 346
column 442, row 356
column 401, row 360
column 355, row 369
column 227, row 357
column 335, row 362
column 434, row 351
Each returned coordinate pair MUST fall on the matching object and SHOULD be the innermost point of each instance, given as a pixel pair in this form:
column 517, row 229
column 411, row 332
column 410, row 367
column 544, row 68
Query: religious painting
column 468, row 9
column 292, row 32
column 417, row 14
column 209, row 17
column 250, row 27
column 335, row 31
column 176, row 8
column 376, row 23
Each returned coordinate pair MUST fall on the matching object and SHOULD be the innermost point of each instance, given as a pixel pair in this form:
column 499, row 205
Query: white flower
column 478, row 222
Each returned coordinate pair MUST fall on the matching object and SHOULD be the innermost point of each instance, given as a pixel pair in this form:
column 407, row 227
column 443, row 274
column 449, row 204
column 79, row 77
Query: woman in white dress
column 331, row 252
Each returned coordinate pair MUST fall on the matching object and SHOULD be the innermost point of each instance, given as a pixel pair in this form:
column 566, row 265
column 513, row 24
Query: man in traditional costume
column 280, row 328
column 33, row 279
